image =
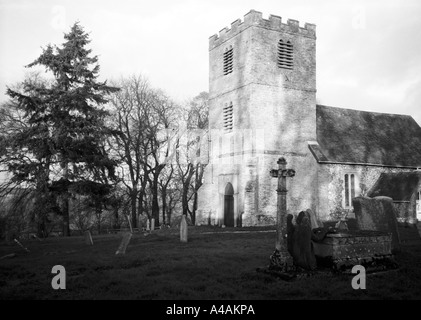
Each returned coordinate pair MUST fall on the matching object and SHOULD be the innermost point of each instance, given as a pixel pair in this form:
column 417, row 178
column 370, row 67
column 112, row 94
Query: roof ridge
column 366, row 111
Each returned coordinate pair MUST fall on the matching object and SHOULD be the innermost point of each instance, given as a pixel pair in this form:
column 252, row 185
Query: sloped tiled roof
column 398, row 186
column 353, row 136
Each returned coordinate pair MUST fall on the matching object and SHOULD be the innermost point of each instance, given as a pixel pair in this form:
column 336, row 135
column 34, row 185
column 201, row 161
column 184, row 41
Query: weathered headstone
column 88, row 238
column 314, row 221
column 377, row 214
column 148, row 225
column 302, row 251
column 152, row 224
column 290, row 233
column 124, row 243
column 183, row 229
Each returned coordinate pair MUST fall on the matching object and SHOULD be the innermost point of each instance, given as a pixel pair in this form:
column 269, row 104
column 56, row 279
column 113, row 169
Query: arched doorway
column 229, row 206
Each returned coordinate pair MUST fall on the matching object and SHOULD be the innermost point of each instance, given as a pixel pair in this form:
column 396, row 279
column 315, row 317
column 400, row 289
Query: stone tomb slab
column 354, row 247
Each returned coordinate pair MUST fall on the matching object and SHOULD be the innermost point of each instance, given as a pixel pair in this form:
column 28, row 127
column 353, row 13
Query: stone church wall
column 331, row 187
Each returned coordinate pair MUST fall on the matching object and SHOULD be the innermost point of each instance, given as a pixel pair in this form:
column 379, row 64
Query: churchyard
column 215, row 263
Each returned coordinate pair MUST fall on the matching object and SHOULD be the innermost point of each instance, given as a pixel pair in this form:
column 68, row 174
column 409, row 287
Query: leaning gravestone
column 377, row 214
column 88, row 238
column 183, row 229
column 21, row 245
column 124, row 243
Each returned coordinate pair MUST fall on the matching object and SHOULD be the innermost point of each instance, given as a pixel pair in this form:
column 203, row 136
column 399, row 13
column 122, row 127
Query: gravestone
column 377, row 214
column 290, row 233
column 183, row 229
column 299, row 241
column 152, row 224
column 315, row 223
column 124, row 243
column 148, row 225
column 88, row 238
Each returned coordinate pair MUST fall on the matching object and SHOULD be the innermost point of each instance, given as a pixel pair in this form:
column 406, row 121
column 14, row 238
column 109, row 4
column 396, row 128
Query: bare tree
column 144, row 117
column 190, row 161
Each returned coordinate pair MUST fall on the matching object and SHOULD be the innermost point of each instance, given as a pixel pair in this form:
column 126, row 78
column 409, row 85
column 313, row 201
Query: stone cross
column 281, row 258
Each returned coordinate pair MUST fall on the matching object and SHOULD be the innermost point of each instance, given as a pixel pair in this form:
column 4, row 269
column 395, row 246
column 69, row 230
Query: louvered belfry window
column 227, row 117
column 228, row 58
column 285, row 55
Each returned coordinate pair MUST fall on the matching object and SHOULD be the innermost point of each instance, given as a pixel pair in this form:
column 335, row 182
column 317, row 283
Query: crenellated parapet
column 254, row 18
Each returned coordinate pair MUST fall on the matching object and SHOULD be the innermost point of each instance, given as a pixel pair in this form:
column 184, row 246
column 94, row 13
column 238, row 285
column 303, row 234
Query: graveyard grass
column 215, row 264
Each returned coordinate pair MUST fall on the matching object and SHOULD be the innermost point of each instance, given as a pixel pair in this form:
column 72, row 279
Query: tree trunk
column 134, row 211
column 155, row 203
column 193, row 215
column 169, row 215
column 98, row 215
column 186, row 186
column 164, row 204
column 66, row 216
column 116, row 224
column 66, row 204
column 41, row 230
column 184, row 199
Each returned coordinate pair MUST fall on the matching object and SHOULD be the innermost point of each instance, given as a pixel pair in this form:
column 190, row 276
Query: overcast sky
column 368, row 52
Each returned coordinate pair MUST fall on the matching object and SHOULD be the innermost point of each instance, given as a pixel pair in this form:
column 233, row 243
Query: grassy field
column 215, row 264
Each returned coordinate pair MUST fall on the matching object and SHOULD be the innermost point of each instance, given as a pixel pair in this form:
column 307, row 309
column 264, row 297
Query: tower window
column 285, row 55
column 227, row 117
column 228, row 57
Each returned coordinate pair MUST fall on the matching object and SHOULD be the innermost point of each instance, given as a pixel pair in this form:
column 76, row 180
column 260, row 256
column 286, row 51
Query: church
column 262, row 89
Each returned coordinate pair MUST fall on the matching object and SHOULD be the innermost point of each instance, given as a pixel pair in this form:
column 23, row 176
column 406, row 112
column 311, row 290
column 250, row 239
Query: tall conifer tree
column 64, row 140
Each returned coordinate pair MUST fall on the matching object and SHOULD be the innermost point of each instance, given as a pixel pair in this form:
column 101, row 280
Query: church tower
column 262, row 88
